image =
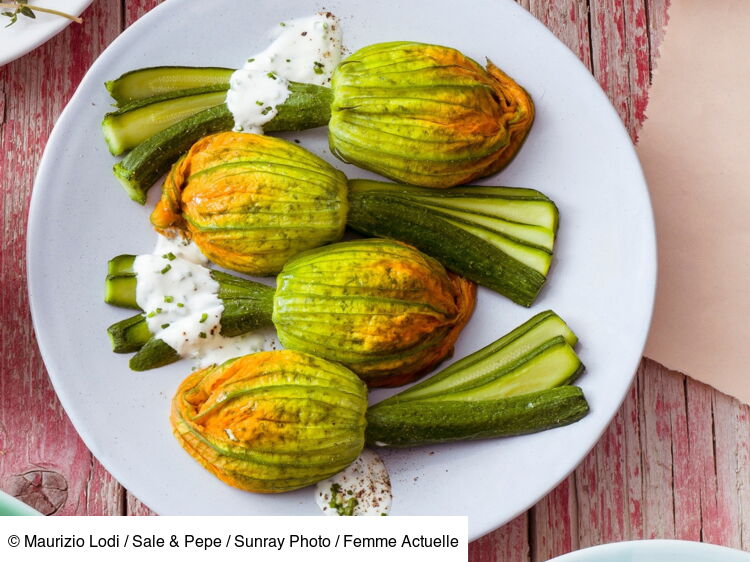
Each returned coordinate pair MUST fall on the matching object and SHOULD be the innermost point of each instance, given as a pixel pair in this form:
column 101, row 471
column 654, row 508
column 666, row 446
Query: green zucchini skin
column 157, row 80
column 422, row 422
column 307, row 106
column 151, row 159
column 129, row 335
column 400, row 217
column 155, row 353
column 132, row 124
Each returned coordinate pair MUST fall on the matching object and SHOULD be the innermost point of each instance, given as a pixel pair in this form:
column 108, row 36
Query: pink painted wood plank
column 43, row 461
column 555, row 522
column 731, row 440
column 568, row 20
column 621, row 57
column 510, row 543
column 633, row 451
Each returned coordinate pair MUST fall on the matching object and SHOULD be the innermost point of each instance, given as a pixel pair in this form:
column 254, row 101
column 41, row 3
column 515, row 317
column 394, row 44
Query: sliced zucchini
column 126, row 128
column 120, row 284
column 158, row 80
column 551, row 365
column 495, row 360
column 499, row 237
column 129, row 335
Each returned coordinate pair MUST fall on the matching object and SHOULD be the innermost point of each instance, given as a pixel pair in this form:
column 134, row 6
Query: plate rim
column 649, row 265
column 648, row 546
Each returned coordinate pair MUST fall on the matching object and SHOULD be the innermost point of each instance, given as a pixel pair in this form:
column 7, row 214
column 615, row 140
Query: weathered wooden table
column 673, row 464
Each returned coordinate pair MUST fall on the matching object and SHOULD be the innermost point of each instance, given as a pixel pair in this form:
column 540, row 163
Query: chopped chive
column 158, row 310
column 166, row 268
column 204, row 317
column 170, row 256
column 164, row 326
column 180, row 305
column 266, row 110
column 167, row 298
column 250, row 60
column 288, row 60
column 318, row 67
column 151, row 314
column 258, row 102
column 203, row 335
column 271, row 75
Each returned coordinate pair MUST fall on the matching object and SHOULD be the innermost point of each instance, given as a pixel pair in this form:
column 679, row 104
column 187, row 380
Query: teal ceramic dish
column 656, row 551
column 11, row 506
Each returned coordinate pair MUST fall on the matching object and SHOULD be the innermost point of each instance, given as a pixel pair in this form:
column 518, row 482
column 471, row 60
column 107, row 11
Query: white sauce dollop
column 305, row 50
column 180, row 300
column 364, row 484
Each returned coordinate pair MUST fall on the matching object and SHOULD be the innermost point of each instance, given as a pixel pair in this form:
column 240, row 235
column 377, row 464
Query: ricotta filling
column 362, row 488
column 304, row 50
column 181, row 304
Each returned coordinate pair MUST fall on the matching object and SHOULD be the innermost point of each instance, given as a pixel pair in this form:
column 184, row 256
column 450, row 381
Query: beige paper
column 695, row 150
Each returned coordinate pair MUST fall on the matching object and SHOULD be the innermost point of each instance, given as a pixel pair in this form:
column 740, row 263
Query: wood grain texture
column 42, row 459
column 674, row 463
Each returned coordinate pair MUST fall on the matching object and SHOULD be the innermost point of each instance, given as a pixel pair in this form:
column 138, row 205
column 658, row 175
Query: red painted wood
column 510, row 543
column 42, row 458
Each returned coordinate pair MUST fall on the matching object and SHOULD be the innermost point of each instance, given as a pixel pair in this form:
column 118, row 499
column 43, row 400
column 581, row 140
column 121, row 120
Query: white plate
column 27, row 34
column 653, row 550
column 578, row 152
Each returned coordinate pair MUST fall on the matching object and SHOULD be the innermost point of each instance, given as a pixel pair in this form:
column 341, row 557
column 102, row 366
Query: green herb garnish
column 170, row 256
column 166, row 268
column 318, row 67
column 165, row 326
column 203, row 335
column 167, row 298
column 204, row 317
column 21, row 7
column 339, row 503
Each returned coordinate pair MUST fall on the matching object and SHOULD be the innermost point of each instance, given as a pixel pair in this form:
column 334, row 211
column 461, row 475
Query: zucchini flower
column 251, row 202
column 425, row 114
column 381, row 308
column 273, row 421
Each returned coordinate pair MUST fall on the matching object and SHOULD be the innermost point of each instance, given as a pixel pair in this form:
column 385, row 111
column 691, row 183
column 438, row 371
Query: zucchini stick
column 248, row 306
column 422, row 422
column 502, row 361
column 499, row 237
column 129, row 126
column 515, row 385
column 157, row 80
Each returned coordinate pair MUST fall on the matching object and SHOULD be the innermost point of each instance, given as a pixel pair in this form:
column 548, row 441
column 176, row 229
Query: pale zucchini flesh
column 128, row 127
column 553, row 365
column 486, row 364
column 157, row 80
